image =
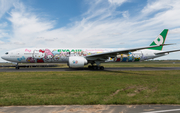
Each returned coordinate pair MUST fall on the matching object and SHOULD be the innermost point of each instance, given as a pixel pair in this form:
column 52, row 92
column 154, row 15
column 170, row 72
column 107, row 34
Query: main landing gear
column 96, row 67
column 17, row 67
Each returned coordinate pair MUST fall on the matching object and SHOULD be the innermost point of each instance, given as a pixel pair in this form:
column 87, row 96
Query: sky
column 88, row 24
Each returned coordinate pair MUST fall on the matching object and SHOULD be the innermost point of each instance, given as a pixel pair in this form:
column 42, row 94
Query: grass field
column 142, row 64
column 164, row 63
column 87, row 87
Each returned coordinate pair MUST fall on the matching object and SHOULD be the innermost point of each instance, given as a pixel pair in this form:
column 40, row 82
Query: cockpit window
column 6, row 53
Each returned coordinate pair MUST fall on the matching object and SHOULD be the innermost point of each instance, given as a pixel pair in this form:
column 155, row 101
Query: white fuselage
column 61, row 55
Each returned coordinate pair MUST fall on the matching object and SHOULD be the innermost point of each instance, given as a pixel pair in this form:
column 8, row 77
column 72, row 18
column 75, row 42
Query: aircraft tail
column 159, row 40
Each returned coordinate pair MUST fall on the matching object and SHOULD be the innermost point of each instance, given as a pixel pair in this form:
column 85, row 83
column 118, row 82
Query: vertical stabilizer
column 160, row 40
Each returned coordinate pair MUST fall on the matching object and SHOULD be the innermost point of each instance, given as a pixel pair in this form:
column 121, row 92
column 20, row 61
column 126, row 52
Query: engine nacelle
column 77, row 61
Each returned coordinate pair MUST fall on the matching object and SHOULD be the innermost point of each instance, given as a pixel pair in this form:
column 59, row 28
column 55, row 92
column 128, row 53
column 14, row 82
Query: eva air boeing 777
column 78, row 57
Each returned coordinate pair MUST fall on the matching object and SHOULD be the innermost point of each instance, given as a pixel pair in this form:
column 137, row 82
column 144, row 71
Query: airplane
column 79, row 57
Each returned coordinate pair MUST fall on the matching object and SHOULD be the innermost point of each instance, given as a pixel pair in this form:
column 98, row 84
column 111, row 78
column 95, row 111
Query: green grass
column 142, row 64
column 89, row 87
column 166, row 63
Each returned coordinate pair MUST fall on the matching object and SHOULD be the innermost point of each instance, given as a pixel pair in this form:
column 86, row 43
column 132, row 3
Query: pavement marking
column 162, row 111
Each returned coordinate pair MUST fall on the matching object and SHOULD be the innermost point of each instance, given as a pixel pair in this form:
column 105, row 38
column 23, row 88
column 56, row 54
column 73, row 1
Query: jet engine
column 77, row 61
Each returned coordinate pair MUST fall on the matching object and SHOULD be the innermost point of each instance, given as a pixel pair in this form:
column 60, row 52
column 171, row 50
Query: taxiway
column 86, row 69
column 92, row 109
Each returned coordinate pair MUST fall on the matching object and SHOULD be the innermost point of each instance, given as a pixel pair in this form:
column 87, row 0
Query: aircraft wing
column 167, row 52
column 106, row 55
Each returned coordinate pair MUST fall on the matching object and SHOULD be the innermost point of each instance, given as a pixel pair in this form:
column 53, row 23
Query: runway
column 92, row 109
column 86, row 69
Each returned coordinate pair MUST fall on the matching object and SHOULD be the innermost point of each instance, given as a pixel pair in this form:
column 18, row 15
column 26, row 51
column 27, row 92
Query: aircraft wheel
column 17, row 67
column 90, row 67
column 95, row 67
column 101, row 68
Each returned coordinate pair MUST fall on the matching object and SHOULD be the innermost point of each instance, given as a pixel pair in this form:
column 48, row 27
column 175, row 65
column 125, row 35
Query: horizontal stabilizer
column 169, row 44
column 167, row 52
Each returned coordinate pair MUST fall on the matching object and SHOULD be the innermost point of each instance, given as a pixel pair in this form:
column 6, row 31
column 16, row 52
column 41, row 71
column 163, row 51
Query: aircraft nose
column 3, row 57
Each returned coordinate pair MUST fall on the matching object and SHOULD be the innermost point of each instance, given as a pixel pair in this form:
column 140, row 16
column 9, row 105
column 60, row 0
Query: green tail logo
column 159, row 40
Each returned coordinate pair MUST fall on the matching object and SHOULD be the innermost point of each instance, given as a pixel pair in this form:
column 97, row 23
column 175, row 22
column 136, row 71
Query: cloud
column 1, row 42
column 27, row 26
column 101, row 26
column 3, row 34
column 19, row 43
column 167, row 18
column 51, row 39
column 97, row 24
column 26, row 22
column 3, row 25
column 5, row 5
column 156, row 5
column 174, row 31
column 117, row 2
column 125, row 14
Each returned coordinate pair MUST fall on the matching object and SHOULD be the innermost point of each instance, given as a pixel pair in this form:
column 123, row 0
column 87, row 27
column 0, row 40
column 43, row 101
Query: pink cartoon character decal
column 26, row 50
column 48, row 55
column 30, row 60
column 64, row 56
